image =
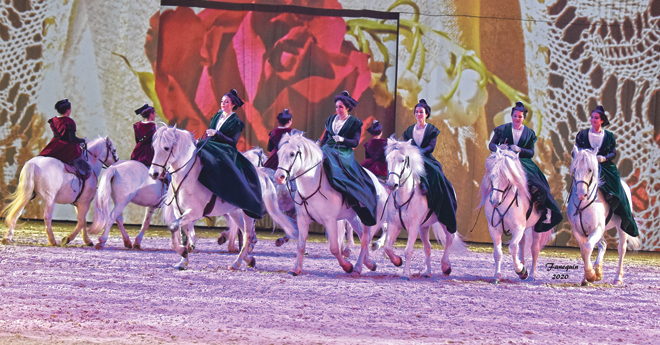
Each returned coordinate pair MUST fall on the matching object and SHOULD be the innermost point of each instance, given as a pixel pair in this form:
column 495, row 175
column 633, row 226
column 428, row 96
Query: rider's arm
column 526, row 153
column 494, row 141
column 353, row 140
column 271, row 144
column 431, row 146
column 70, row 135
column 222, row 138
column 324, row 138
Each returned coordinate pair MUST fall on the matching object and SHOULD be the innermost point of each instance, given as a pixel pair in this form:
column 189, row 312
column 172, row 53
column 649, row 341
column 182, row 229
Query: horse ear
column 391, row 141
column 174, row 126
column 409, row 142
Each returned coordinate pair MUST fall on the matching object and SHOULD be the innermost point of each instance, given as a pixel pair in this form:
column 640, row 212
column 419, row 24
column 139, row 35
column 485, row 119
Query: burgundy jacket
column 143, row 151
column 64, row 145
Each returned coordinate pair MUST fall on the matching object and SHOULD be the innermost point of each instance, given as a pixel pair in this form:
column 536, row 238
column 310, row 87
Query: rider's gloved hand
column 601, row 159
column 338, row 138
column 503, row 147
column 515, row 148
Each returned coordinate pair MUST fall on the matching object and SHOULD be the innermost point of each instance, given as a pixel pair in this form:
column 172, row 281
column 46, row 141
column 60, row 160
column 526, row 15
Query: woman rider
column 604, row 143
column 284, row 119
column 345, row 175
column 437, row 188
column 521, row 139
column 65, row 146
column 374, row 151
column 144, row 131
column 225, row 171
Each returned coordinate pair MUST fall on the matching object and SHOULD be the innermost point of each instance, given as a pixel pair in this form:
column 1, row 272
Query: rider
column 521, row 139
column 285, row 120
column 435, row 185
column 604, row 143
column 144, row 132
column 225, row 171
column 374, row 151
column 65, row 146
column 345, row 175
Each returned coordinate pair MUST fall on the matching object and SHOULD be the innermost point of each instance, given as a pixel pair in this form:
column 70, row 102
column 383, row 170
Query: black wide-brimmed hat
column 284, row 117
column 62, row 106
column 422, row 104
column 601, row 111
column 376, row 128
column 141, row 109
column 348, row 101
column 235, row 100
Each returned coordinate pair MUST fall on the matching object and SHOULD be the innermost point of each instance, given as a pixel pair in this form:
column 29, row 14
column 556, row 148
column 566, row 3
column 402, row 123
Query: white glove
column 515, row 148
column 601, row 159
column 338, row 138
column 211, row 132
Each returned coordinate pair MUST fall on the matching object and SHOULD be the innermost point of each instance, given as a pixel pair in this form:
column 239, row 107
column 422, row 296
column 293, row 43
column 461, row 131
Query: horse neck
column 307, row 182
column 184, row 160
column 408, row 186
column 97, row 152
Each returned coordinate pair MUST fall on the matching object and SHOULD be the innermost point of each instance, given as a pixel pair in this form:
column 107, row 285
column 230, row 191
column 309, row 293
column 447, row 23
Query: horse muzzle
column 280, row 178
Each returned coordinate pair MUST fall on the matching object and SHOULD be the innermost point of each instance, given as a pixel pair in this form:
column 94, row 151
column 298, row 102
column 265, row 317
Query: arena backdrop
column 470, row 59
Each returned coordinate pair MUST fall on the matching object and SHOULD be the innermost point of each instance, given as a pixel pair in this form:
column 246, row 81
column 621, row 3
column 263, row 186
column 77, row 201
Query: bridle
column 108, row 150
column 303, row 200
column 406, row 204
column 505, row 193
column 593, row 195
column 406, row 164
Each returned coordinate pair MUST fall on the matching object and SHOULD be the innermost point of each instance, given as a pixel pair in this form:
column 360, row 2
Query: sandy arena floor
column 79, row 295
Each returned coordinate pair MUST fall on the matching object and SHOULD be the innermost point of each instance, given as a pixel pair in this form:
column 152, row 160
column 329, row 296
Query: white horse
column 47, row 178
column 587, row 211
column 125, row 182
column 506, row 201
column 300, row 160
column 270, row 197
column 175, row 152
column 407, row 208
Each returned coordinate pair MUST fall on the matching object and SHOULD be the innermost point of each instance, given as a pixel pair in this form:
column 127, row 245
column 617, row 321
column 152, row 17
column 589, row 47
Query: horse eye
column 166, row 149
column 291, row 154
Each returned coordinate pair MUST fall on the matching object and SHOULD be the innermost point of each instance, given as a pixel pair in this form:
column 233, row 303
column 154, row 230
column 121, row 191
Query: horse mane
column 586, row 158
column 406, row 148
column 311, row 152
column 504, row 165
column 177, row 136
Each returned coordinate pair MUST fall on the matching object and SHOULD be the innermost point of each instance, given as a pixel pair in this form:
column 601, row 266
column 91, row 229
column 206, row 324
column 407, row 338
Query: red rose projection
column 273, row 60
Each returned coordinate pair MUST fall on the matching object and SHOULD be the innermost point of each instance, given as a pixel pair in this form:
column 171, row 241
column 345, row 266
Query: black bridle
column 108, row 149
column 593, row 195
column 501, row 215
column 303, row 200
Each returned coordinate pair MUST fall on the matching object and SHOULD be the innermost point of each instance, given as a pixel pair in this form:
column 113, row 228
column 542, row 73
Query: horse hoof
column 496, row 282
column 590, row 276
column 137, row 246
column 349, row 269
column 427, row 275
column 222, row 240
column 346, row 253
column 99, row 246
column 279, row 242
column 405, row 278
column 128, row 245
column 398, row 261
column 252, row 263
column 584, row 283
column 374, row 267
column 6, row 241
column 179, row 268
column 374, row 247
column 618, row 282
column 293, row 273
column 599, row 272
column 447, row 271
column 523, row 274
column 90, row 244
column 65, row 241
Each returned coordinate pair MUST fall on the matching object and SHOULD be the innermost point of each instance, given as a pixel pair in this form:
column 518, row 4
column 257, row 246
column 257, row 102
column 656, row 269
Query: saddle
column 70, row 169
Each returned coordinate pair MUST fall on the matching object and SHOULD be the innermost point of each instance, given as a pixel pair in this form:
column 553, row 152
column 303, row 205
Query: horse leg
column 497, row 253
column 383, row 237
column 536, row 248
column 413, row 231
column 124, row 234
column 598, row 264
column 589, row 245
column 303, row 230
column 426, row 240
column 392, row 234
column 49, row 205
column 137, row 244
column 245, row 223
column 623, row 244
column 521, row 247
column 449, row 240
column 365, row 238
column 514, row 247
column 81, row 212
column 333, row 239
column 183, row 248
column 341, row 235
column 223, row 237
column 233, row 221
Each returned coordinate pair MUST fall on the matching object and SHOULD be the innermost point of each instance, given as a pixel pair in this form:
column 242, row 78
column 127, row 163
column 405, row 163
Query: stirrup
column 548, row 217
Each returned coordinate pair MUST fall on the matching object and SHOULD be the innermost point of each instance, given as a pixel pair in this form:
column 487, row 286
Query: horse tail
column 546, row 238
column 635, row 243
column 19, row 198
column 269, row 196
column 102, row 207
column 457, row 245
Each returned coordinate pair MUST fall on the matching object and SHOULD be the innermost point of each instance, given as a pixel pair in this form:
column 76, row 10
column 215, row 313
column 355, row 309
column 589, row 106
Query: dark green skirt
column 441, row 197
column 347, row 177
column 230, row 176
column 540, row 191
column 616, row 197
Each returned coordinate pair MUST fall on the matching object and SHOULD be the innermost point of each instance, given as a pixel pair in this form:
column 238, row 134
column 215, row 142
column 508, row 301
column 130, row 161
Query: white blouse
column 516, row 134
column 418, row 134
column 596, row 139
column 221, row 121
column 338, row 124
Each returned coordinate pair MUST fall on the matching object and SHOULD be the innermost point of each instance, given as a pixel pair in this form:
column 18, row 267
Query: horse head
column 296, row 155
column 103, row 150
column 256, row 156
column 403, row 162
column 584, row 170
column 171, row 149
column 504, row 174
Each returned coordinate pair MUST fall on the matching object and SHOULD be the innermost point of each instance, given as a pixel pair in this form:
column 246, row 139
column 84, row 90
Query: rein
column 108, row 149
column 303, row 200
